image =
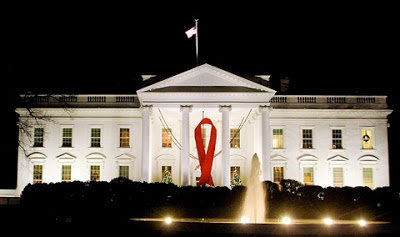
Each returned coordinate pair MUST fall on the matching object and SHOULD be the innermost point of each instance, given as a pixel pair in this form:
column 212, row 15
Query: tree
column 235, row 180
column 166, row 178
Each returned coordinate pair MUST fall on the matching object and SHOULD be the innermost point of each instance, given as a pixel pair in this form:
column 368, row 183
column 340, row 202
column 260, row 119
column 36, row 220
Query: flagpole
column 197, row 42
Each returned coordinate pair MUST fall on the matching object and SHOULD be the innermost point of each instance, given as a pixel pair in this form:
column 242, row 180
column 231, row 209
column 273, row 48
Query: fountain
column 254, row 202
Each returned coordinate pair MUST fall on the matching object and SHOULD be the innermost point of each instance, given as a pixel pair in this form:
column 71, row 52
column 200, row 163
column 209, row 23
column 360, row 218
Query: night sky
column 324, row 49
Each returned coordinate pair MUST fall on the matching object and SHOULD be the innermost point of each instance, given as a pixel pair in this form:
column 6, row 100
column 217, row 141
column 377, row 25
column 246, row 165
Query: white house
column 321, row 140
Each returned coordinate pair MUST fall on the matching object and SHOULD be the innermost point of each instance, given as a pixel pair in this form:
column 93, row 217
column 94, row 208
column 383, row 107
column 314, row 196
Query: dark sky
column 325, row 49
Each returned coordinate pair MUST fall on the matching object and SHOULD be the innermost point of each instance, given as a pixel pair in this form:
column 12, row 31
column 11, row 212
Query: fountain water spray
column 254, row 202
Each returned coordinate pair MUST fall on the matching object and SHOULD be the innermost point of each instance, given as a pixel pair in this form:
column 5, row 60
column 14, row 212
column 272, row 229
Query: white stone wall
column 352, row 158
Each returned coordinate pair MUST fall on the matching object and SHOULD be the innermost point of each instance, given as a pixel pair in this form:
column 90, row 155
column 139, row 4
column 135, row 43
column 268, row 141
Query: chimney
column 285, row 84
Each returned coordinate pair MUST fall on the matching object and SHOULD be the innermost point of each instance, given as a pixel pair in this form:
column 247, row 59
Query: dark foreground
column 237, row 229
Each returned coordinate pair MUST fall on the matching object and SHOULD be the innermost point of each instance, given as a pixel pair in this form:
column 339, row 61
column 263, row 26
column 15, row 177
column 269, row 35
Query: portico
column 180, row 102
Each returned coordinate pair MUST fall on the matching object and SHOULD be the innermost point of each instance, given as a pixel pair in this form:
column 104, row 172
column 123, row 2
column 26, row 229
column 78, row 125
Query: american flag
column 192, row 31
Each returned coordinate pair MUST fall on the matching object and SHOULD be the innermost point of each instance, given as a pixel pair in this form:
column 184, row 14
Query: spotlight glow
column 168, row 220
column 286, row 220
column 362, row 223
column 244, row 220
column 328, row 221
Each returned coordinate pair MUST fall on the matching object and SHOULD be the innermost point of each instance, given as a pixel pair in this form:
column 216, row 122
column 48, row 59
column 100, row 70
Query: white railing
column 328, row 101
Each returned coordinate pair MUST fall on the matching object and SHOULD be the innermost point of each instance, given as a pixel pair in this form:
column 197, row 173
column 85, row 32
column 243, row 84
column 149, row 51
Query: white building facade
column 317, row 140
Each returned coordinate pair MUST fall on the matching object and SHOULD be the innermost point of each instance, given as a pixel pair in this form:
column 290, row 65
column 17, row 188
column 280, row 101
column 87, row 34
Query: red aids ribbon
column 205, row 159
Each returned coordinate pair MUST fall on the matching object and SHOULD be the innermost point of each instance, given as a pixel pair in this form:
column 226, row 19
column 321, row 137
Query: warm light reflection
column 168, row 220
column 286, row 220
column 328, row 221
column 362, row 223
column 244, row 220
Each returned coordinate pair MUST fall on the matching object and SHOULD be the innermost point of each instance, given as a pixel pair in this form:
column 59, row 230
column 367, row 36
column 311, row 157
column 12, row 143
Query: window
column 66, row 173
column 124, row 137
column 308, row 175
column 278, row 174
column 95, row 137
column 337, row 139
column 307, row 138
column 277, row 138
column 366, row 136
column 235, row 176
column 337, row 177
column 235, row 138
column 67, row 137
column 124, row 171
column 38, row 137
column 95, row 173
column 166, row 138
column 166, row 174
column 368, row 179
column 37, row 174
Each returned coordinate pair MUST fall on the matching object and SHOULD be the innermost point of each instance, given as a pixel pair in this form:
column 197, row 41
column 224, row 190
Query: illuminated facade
column 149, row 136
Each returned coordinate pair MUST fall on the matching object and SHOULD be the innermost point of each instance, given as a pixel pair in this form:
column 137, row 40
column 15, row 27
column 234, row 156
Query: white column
column 225, row 145
column 185, row 152
column 266, row 142
column 146, row 163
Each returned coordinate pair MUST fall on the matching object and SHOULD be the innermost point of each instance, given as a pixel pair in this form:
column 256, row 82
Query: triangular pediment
column 207, row 76
column 203, row 81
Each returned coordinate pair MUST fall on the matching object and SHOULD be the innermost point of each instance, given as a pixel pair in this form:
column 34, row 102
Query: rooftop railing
column 278, row 101
column 328, row 101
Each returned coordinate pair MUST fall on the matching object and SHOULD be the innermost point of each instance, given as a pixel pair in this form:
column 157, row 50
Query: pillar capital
column 146, row 108
column 263, row 108
column 186, row 108
column 223, row 108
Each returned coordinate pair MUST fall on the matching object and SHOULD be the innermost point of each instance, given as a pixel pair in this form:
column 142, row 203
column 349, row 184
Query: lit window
column 308, row 175
column 124, row 171
column 307, row 139
column 38, row 137
column 366, row 136
column 337, row 177
column 67, row 137
column 368, row 179
column 95, row 173
column 66, row 173
column 278, row 174
column 166, row 138
column 124, row 137
column 235, row 138
column 95, row 137
column 166, row 174
column 337, row 139
column 235, row 176
column 277, row 138
column 37, row 174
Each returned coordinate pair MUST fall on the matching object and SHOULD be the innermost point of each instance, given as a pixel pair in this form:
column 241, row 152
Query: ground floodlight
column 328, row 221
column 286, row 220
column 244, row 220
column 168, row 220
column 362, row 223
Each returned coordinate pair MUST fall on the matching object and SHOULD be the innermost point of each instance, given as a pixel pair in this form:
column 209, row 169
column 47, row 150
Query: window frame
column 283, row 137
column 372, row 129
column 129, row 136
column 34, row 145
column 237, row 138
column 62, row 127
column 169, row 137
column 62, row 172
column 312, row 139
column 101, row 136
column 34, row 179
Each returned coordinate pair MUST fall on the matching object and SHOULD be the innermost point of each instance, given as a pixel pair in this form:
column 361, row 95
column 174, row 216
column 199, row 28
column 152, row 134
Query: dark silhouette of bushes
column 121, row 199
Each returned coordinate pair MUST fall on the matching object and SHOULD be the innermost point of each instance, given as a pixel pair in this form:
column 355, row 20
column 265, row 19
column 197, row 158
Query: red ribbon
column 205, row 159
